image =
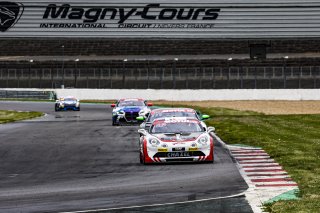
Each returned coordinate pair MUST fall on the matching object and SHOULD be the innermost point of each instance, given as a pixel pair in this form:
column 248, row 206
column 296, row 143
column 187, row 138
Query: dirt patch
column 267, row 107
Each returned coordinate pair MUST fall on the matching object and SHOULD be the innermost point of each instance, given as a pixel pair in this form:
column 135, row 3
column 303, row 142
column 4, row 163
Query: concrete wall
column 191, row 95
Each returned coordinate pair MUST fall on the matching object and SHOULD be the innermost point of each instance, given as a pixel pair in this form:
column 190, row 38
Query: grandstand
column 230, row 44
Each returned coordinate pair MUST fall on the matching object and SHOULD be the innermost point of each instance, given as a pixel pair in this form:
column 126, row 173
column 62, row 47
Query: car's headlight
column 203, row 140
column 120, row 112
column 164, row 145
column 144, row 111
column 154, row 142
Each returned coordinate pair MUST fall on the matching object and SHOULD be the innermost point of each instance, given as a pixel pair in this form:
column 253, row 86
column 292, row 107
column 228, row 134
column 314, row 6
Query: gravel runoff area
column 266, row 107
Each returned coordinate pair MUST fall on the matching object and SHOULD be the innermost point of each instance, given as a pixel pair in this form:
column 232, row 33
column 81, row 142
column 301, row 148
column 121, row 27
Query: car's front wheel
column 211, row 161
column 114, row 123
column 141, row 158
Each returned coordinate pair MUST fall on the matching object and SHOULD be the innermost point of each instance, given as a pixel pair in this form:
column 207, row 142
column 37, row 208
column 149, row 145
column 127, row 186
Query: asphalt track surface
column 75, row 161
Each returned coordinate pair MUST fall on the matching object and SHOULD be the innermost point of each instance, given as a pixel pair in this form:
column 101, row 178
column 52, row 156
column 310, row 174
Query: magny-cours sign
column 163, row 19
column 121, row 15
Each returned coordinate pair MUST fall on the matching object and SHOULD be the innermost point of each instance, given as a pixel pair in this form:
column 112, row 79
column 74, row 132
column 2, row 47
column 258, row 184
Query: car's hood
column 178, row 137
column 69, row 102
column 130, row 108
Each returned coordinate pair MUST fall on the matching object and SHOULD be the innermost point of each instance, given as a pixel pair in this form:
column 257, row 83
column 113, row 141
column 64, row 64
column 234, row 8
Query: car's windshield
column 179, row 127
column 69, row 99
column 131, row 103
column 161, row 114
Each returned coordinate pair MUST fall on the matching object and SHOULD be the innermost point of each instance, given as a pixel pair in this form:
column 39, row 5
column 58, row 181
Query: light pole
column 228, row 77
column 148, row 74
column 29, row 80
column 123, row 72
column 162, row 73
column 62, row 86
column 174, row 72
column 75, row 72
column 255, row 71
column 284, row 71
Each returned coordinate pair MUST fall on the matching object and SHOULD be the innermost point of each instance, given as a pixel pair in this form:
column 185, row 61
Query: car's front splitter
column 182, row 159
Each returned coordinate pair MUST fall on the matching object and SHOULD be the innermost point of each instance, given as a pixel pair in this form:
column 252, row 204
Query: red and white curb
column 267, row 180
column 265, row 177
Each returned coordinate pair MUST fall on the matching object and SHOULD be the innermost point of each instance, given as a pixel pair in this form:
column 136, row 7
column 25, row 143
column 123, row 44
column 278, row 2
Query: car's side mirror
column 147, row 126
column 113, row 105
column 142, row 125
column 142, row 132
column 150, row 104
column 204, row 117
column 211, row 129
column 140, row 118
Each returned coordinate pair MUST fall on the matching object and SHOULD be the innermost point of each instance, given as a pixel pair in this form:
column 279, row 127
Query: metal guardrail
column 41, row 95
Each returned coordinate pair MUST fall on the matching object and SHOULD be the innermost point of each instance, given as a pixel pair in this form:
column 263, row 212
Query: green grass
column 292, row 140
column 11, row 116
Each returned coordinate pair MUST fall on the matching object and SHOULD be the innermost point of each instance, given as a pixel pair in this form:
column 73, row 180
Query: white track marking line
column 261, row 164
column 266, row 177
column 255, row 168
column 257, row 161
column 250, row 155
column 154, row 205
column 284, row 186
column 265, row 174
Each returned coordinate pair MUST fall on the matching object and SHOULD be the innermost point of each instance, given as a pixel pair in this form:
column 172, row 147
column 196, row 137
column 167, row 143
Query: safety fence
column 163, row 77
column 24, row 94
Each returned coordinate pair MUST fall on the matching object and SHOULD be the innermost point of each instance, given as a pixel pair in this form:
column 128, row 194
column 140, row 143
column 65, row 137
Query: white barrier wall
column 189, row 95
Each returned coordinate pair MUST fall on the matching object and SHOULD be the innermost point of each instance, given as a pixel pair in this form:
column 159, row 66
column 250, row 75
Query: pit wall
column 188, row 95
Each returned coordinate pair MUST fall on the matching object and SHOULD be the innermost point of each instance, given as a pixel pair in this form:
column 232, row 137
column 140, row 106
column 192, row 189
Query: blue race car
column 127, row 110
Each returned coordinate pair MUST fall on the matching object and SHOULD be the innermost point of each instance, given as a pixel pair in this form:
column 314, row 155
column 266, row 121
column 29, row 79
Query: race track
column 72, row 161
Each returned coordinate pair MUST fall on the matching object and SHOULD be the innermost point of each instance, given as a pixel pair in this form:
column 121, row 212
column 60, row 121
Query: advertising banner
column 160, row 19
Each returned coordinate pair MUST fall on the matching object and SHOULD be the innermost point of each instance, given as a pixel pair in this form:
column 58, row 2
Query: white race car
column 67, row 103
column 176, row 139
column 171, row 112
